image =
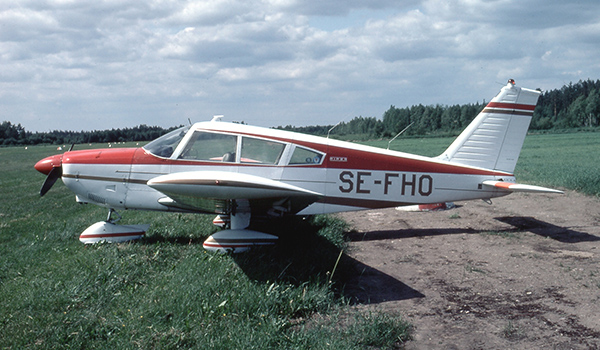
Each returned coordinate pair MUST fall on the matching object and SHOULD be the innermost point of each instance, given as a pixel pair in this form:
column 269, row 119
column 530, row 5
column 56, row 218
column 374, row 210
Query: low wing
column 212, row 191
column 514, row 187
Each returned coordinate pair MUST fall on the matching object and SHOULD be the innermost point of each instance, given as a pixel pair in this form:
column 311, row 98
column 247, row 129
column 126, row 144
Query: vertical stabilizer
column 494, row 138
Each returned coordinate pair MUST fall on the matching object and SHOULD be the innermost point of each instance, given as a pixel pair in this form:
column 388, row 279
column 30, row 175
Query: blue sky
column 88, row 65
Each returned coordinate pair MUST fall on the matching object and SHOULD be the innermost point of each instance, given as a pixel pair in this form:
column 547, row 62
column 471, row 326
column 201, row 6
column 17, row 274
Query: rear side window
column 305, row 156
column 258, row 151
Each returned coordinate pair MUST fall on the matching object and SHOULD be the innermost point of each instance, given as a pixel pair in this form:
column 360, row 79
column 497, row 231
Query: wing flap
column 514, row 187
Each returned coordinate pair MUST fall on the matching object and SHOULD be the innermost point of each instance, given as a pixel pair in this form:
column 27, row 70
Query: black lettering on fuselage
column 410, row 184
column 425, row 190
column 360, row 181
column 364, row 182
column 388, row 182
column 346, row 177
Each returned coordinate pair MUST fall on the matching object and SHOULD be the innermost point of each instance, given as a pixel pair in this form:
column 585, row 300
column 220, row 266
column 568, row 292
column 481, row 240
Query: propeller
column 54, row 174
column 52, row 167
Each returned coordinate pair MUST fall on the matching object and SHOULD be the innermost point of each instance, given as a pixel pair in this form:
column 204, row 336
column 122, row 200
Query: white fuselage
column 347, row 176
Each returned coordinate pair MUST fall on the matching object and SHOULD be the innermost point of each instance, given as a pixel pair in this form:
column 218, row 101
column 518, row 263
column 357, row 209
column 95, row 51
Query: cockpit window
column 305, row 156
column 166, row 144
column 210, row 146
column 258, row 151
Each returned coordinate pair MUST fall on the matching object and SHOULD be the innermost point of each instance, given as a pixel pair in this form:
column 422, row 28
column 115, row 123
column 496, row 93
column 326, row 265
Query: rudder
column 495, row 137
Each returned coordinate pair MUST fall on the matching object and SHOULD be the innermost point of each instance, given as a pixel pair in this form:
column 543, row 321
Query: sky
column 95, row 65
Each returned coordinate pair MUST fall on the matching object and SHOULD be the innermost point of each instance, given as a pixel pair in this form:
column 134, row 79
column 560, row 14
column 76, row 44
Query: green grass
column 562, row 160
column 429, row 147
column 165, row 291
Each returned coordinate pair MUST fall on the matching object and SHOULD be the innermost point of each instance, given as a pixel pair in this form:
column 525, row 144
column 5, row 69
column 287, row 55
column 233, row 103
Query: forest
column 572, row 107
column 11, row 134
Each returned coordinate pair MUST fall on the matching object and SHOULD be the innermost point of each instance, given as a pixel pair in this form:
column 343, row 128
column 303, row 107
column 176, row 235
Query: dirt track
column 523, row 273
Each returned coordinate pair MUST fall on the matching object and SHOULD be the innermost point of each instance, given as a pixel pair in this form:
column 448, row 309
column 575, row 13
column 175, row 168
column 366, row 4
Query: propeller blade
column 53, row 175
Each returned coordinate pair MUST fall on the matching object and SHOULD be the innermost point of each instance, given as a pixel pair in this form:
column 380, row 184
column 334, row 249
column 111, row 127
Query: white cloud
column 71, row 64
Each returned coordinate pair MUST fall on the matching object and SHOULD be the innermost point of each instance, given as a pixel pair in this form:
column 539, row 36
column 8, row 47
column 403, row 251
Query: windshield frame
column 165, row 146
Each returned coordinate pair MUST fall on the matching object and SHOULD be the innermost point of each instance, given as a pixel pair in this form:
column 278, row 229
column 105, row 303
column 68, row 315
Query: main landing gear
column 237, row 238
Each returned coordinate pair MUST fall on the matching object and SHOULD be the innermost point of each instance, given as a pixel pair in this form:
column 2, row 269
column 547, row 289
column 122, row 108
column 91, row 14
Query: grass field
column 166, row 292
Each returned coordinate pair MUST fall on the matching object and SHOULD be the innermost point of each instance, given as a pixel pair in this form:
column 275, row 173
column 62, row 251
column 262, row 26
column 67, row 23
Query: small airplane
column 243, row 173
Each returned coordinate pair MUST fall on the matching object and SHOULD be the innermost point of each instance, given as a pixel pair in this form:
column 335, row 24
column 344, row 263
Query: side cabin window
column 305, row 156
column 220, row 147
column 258, row 151
column 210, row 147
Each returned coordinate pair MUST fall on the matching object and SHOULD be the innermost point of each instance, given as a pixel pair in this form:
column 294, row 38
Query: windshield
column 166, row 144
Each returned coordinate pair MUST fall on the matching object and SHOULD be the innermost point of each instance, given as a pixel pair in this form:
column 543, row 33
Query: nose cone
column 45, row 165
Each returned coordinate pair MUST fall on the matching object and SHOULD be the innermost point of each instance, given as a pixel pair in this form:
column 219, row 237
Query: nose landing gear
column 109, row 231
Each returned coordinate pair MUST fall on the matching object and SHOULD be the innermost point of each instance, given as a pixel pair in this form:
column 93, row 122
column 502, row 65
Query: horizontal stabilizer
column 513, row 187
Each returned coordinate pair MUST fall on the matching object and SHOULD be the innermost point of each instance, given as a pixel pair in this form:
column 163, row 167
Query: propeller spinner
column 51, row 166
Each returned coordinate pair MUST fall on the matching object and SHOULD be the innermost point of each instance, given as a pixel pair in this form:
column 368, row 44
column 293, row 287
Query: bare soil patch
column 522, row 273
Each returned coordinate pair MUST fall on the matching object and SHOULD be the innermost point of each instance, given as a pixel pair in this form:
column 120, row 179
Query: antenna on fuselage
column 400, row 133
column 333, row 127
column 217, row 118
column 190, row 121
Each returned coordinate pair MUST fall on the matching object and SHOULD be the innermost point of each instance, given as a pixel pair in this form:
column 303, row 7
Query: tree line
column 571, row 107
column 11, row 134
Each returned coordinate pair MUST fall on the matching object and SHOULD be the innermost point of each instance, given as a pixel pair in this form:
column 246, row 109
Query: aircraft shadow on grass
column 303, row 254
column 352, row 279
column 181, row 240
